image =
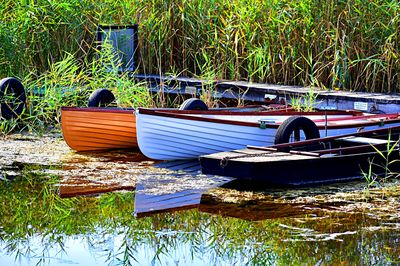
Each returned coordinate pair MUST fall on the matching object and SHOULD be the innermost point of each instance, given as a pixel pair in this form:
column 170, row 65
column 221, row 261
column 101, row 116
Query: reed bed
column 335, row 44
column 69, row 82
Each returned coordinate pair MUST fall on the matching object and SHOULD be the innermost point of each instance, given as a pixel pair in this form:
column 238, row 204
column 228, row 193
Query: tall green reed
column 334, row 44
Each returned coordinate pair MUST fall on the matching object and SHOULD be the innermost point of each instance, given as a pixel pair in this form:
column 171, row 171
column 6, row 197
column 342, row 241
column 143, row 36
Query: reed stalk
column 385, row 169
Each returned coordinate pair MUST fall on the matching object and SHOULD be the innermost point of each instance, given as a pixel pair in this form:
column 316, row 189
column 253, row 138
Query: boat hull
column 96, row 129
column 293, row 170
column 166, row 138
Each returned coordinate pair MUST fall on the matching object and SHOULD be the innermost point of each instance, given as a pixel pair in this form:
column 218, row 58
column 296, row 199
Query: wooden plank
column 305, row 153
column 273, row 157
column 365, row 140
column 352, row 149
column 258, row 156
column 261, row 148
column 342, row 100
column 236, row 153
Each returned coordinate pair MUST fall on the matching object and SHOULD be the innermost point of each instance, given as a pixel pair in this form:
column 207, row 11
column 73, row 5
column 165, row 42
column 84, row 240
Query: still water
column 119, row 208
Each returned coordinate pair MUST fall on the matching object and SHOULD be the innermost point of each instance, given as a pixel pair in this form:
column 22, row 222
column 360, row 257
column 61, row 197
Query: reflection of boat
column 178, row 188
column 90, row 129
column 169, row 135
column 313, row 161
column 219, row 195
column 251, row 209
column 150, row 204
column 213, row 201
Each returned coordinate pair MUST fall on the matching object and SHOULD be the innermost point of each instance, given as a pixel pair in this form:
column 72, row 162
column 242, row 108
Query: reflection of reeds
column 335, row 44
column 35, row 221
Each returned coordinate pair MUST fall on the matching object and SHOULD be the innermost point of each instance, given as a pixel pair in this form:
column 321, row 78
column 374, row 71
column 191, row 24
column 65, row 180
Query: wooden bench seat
column 364, row 140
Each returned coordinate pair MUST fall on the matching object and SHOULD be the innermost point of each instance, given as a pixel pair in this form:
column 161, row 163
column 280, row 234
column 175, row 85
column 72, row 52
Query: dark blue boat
column 316, row 161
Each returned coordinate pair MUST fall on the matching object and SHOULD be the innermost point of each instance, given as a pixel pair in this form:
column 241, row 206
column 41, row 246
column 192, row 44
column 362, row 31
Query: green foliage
column 305, row 103
column 386, row 168
column 8, row 126
column 335, row 44
column 69, row 82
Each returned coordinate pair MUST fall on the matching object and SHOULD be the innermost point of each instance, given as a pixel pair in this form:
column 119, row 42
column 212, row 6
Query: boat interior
column 382, row 140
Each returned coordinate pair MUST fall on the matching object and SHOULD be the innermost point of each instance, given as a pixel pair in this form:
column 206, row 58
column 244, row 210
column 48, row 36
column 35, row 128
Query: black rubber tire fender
column 100, row 98
column 293, row 123
column 12, row 87
column 193, row 104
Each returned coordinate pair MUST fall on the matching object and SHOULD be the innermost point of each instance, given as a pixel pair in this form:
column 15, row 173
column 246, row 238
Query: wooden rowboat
column 93, row 129
column 170, row 135
column 105, row 128
column 315, row 161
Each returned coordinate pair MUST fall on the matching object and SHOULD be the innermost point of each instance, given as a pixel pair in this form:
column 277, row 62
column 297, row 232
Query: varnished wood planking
column 101, row 130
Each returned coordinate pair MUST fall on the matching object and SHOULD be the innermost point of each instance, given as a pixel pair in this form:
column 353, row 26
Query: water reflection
column 93, row 173
column 227, row 224
column 180, row 186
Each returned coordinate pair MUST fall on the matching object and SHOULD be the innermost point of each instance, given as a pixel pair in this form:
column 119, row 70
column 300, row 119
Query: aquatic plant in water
column 371, row 176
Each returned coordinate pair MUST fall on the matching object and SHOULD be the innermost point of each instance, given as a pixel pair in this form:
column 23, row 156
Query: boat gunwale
column 99, row 109
column 133, row 110
column 237, row 112
column 186, row 114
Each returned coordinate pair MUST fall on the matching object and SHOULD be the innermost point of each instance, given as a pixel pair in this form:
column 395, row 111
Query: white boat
column 177, row 134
